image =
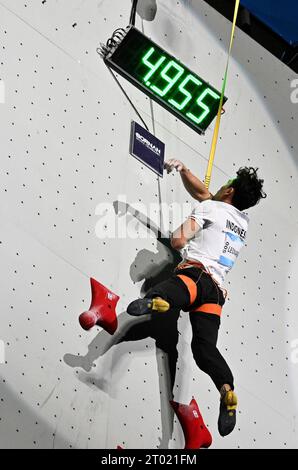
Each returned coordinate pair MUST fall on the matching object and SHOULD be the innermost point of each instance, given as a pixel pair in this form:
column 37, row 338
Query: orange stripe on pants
column 215, row 309
column 191, row 286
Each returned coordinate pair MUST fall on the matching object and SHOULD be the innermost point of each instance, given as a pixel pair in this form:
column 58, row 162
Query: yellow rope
column 217, row 124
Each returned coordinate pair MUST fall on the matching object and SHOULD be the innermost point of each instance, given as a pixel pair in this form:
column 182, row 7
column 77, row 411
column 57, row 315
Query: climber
column 209, row 242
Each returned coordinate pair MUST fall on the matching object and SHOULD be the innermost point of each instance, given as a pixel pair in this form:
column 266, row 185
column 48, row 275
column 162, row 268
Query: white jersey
column 222, row 235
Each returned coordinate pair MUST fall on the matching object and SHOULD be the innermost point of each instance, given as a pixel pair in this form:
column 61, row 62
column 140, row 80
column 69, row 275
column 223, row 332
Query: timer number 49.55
column 162, row 67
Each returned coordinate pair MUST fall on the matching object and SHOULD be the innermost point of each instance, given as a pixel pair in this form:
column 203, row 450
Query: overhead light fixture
column 146, row 9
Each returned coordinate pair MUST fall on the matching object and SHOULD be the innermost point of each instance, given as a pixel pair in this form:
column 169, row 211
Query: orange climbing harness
column 192, row 287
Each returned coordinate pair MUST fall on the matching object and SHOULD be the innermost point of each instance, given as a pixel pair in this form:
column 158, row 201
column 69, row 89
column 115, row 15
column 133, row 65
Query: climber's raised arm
column 192, row 184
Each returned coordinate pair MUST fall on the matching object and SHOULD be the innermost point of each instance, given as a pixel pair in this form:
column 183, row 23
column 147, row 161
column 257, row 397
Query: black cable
column 132, row 19
column 117, row 36
column 294, row 56
column 129, row 100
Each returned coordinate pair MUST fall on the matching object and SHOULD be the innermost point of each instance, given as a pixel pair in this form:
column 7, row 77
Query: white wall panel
column 64, row 150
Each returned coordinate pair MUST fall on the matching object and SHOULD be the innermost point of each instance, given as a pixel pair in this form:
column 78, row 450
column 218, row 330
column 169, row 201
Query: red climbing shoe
column 102, row 311
column 194, row 429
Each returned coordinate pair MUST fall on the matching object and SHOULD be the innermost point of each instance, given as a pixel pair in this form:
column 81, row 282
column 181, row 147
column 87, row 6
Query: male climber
column 209, row 242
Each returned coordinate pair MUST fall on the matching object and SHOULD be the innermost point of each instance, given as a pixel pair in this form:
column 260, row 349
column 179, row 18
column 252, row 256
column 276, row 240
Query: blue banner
column 280, row 16
column 147, row 148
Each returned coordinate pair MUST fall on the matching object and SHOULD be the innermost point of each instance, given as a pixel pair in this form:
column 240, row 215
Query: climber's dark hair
column 248, row 188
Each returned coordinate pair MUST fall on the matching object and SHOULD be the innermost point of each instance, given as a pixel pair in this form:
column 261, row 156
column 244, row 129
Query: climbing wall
column 67, row 177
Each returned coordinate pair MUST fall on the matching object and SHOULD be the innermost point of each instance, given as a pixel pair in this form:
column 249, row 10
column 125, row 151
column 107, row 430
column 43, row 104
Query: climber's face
column 225, row 193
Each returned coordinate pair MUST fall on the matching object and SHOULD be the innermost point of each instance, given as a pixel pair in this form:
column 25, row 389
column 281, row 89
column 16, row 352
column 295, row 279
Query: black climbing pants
column 192, row 289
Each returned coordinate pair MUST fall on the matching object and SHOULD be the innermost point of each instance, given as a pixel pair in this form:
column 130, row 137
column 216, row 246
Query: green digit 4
column 152, row 67
column 203, row 106
column 188, row 95
column 171, row 80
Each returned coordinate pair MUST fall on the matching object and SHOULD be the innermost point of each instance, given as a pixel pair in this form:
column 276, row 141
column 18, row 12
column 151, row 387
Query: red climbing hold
column 102, row 311
column 194, row 429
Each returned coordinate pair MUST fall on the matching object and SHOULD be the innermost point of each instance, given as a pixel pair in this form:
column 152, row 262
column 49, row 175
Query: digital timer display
column 165, row 79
